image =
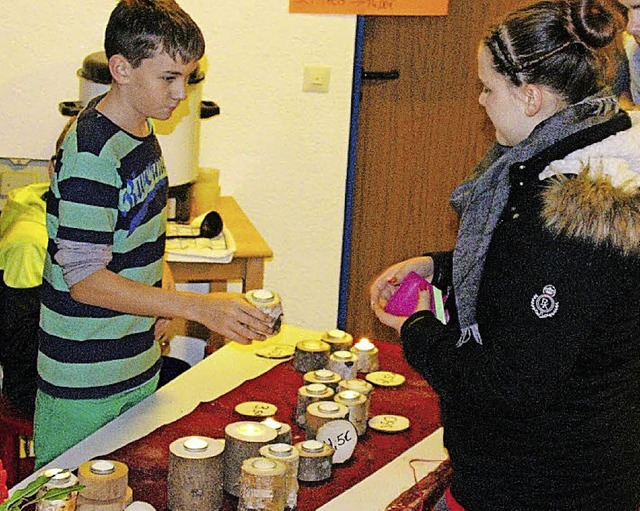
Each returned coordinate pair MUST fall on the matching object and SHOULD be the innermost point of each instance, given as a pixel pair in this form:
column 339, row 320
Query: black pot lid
column 95, row 68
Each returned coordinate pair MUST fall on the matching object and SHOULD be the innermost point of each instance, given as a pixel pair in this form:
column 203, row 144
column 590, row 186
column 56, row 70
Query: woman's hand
column 387, row 283
column 396, row 322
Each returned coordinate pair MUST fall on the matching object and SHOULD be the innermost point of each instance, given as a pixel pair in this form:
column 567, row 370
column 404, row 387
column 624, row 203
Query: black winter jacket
column 545, row 414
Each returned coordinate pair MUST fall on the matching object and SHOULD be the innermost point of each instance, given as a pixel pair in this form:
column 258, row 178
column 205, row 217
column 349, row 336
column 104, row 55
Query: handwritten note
column 342, row 436
column 372, row 7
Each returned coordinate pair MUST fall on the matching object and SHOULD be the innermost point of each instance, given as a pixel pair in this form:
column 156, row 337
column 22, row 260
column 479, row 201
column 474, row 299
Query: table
column 248, row 261
column 202, row 401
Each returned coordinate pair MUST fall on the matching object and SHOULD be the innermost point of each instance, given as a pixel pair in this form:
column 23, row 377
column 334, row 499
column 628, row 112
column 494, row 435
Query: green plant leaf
column 59, row 493
column 30, row 490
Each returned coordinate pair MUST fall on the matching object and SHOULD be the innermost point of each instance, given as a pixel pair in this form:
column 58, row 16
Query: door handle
column 393, row 74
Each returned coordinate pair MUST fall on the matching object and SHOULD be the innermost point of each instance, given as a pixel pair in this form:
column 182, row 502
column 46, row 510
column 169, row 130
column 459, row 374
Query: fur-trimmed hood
column 602, row 204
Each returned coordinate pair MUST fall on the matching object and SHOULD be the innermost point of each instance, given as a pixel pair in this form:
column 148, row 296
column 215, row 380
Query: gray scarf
column 480, row 201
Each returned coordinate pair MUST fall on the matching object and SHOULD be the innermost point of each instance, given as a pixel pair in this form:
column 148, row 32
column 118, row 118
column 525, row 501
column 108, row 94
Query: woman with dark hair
column 538, row 366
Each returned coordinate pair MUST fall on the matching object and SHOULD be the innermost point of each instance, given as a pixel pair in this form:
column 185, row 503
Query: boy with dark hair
column 106, row 218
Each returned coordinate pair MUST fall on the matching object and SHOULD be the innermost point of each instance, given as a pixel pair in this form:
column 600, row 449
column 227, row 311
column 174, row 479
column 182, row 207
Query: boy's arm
column 226, row 313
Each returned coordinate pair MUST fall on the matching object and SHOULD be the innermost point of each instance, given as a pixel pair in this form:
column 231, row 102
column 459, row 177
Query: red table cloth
column 148, row 457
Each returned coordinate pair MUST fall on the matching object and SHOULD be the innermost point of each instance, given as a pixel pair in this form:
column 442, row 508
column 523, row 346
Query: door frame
column 351, row 169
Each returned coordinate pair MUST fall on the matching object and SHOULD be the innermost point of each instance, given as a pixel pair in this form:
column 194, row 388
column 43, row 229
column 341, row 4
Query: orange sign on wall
column 372, row 7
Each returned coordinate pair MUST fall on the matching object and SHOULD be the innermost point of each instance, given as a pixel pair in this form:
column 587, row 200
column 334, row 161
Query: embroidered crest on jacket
column 545, row 305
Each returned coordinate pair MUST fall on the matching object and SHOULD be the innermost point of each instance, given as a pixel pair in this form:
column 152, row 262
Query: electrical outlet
column 316, row 78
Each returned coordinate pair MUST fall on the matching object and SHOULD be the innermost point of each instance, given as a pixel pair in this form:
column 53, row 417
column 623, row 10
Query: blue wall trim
column 351, row 169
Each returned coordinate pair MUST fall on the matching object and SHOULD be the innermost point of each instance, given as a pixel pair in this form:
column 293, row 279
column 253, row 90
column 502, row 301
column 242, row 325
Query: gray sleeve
column 78, row 260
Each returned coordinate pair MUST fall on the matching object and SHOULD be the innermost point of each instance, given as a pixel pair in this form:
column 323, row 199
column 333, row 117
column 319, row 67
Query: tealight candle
column 243, row 440
column 283, row 430
column 312, row 446
column 59, row 478
column 321, row 412
column 287, row 454
column 361, row 386
column 195, row 474
column 315, row 460
column 248, row 430
column 102, row 467
column 310, row 355
column 367, row 354
column 262, row 484
column 195, row 444
column 338, row 340
column 269, row 303
column 357, row 405
column 324, row 376
column 103, row 481
column 308, row 394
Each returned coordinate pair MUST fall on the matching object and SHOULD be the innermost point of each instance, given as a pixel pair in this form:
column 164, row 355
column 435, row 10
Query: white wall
column 281, row 152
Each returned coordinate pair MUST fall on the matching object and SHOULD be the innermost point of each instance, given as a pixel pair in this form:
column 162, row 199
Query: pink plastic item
column 405, row 299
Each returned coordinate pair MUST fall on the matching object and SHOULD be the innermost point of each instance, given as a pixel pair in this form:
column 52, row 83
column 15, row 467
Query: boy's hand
column 231, row 315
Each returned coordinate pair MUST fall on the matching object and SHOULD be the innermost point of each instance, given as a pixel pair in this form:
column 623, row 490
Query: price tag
column 342, row 436
column 256, row 409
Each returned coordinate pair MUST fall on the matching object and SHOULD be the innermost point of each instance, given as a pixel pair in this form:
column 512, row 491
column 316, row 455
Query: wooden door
column 418, row 137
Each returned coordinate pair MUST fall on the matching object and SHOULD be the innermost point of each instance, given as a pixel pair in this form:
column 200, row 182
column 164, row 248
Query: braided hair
column 556, row 43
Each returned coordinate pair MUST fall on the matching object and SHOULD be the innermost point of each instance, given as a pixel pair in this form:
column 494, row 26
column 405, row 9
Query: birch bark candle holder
column 320, row 413
column 269, row 303
column 242, row 441
column 344, row 363
column 362, row 386
column 315, row 461
column 310, row 355
column 195, row 474
column 339, row 340
column 288, row 455
column 367, row 354
column 58, row 480
column 262, row 485
column 308, row 394
column 324, row 376
column 357, row 405
column 285, row 436
column 105, row 486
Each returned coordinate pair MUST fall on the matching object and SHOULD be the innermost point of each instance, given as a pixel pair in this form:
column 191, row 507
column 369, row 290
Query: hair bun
column 594, row 25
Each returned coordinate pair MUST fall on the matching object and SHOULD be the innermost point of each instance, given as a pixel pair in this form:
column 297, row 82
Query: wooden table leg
column 254, row 274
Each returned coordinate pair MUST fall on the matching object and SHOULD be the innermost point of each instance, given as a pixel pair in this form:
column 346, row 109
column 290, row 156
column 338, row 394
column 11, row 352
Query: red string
column 415, row 475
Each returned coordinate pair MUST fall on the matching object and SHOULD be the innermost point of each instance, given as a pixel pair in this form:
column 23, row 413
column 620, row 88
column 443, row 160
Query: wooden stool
column 16, row 434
